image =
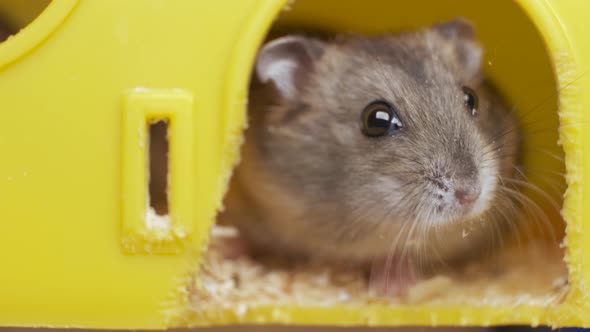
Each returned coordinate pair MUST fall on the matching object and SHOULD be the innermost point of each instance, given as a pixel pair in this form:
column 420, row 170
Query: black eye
column 379, row 118
column 470, row 100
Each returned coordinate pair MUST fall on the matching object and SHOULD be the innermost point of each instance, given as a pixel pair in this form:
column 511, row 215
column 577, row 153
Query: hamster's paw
column 227, row 243
column 392, row 277
column 235, row 248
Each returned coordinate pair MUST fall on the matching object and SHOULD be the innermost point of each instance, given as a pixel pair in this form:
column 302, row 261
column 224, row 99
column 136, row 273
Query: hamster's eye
column 470, row 100
column 379, row 118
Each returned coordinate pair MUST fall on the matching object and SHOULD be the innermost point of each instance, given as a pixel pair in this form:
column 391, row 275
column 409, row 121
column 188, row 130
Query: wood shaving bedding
column 242, row 282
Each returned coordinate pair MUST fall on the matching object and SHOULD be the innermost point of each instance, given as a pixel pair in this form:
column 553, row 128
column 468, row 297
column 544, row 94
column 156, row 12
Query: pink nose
column 465, row 198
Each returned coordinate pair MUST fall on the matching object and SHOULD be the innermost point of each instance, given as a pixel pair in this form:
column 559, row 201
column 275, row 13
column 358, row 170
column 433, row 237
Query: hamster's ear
column 463, row 47
column 287, row 62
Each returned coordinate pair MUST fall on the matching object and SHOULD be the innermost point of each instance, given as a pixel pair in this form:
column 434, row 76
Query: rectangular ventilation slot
column 158, row 176
column 157, row 171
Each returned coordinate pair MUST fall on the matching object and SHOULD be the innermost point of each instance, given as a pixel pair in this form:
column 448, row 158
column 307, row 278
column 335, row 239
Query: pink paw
column 235, row 248
column 227, row 243
column 391, row 277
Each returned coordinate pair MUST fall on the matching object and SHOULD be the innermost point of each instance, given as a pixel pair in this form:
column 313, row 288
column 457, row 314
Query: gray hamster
column 383, row 150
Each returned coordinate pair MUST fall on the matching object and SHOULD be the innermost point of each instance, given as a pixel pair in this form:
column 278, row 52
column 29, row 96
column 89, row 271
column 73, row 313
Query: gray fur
column 311, row 184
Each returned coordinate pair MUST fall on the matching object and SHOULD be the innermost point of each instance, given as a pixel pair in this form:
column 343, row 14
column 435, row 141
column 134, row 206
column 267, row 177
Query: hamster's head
column 384, row 130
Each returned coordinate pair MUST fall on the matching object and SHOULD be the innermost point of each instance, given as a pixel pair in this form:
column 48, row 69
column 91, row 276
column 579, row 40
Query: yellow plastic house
column 80, row 84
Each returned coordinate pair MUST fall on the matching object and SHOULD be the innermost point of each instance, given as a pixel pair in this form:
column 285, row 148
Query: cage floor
column 534, row 276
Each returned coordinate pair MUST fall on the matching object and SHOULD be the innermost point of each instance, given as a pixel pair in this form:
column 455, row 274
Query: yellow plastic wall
column 72, row 254
column 64, row 83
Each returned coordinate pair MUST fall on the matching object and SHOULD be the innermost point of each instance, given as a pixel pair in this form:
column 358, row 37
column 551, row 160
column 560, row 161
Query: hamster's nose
column 465, row 197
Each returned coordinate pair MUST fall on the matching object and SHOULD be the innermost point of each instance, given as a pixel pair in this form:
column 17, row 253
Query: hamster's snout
column 456, row 195
column 466, row 197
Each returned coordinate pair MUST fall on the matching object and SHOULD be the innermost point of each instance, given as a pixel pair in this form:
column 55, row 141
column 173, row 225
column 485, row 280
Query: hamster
column 5, row 32
column 382, row 150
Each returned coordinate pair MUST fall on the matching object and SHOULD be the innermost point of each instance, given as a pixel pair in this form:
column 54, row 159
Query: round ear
column 287, row 63
column 458, row 28
column 464, row 50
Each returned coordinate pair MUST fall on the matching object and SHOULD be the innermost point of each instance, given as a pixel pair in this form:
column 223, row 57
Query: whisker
column 536, row 189
column 526, row 201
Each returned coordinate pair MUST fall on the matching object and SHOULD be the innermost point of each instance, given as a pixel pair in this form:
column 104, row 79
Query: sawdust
column 536, row 276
